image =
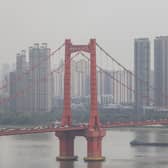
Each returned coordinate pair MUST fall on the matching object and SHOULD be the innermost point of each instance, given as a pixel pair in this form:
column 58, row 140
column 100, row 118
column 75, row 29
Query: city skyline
column 33, row 85
column 142, row 52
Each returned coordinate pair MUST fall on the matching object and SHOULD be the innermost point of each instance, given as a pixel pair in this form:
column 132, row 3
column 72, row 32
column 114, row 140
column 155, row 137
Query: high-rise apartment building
column 12, row 90
column 142, row 71
column 21, row 82
column 79, row 79
column 104, row 86
column 161, row 70
column 82, row 70
column 5, row 79
column 122, row 87
column 74, row 81
column 59, row 80
column 40, row 78
column 100, row 85
column 113, row 86
column 31, row 84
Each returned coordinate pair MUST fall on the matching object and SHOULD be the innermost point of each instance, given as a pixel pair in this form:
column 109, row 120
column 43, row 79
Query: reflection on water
column 70, row 164
column 40, row 150
column 94, row 165
column 67, row 164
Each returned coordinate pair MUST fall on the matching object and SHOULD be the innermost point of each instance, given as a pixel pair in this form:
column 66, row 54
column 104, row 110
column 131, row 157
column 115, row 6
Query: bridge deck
column 35, row 130
column 21, row 131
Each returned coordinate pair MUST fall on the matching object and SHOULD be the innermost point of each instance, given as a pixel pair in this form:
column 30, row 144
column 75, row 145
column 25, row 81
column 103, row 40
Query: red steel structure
column 94, row 132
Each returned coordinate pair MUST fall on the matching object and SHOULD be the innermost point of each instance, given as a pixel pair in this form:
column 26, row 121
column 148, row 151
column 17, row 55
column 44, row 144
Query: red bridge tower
column 93, row 133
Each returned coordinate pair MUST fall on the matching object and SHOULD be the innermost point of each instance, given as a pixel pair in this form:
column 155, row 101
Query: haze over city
column 114, row 23
column 83, row 81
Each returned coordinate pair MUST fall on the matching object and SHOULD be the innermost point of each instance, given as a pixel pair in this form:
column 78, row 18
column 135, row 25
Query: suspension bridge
column 123, row 93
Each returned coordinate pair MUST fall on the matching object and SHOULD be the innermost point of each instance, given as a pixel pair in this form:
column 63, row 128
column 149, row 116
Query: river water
column 40, row 150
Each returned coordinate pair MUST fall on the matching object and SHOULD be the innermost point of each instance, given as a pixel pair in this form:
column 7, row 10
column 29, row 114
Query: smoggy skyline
column 114, row 23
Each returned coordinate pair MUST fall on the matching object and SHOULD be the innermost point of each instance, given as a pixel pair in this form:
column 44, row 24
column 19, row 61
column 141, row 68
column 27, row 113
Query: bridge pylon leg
column 94, row 145
column 66, row 147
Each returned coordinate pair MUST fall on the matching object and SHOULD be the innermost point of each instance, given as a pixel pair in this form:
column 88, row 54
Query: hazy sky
column 114, row 23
